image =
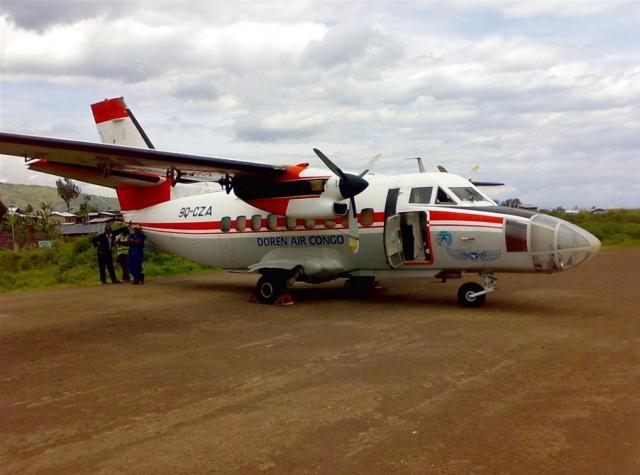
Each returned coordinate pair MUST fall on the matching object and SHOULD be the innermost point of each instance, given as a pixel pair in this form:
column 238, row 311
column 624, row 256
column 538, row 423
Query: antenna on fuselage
column 420, row 164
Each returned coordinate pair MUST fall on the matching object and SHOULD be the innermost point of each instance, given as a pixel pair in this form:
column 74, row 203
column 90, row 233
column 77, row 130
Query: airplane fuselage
column 407, row 227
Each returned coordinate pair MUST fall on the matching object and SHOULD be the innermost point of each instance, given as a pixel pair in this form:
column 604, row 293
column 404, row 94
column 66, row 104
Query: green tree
column 67, row 190
column 43, row 214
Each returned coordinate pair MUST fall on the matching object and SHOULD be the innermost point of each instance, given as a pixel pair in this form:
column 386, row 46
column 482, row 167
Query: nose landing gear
column 474, row 295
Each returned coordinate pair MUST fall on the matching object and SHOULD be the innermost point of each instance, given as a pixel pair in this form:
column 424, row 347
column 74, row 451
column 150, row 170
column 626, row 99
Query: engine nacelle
column 316, row 208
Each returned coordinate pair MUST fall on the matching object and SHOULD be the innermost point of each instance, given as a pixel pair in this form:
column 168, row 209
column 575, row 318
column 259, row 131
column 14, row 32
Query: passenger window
column 309, row 223
column 421, row 195
column 366, row 217
column 443, row 197
column 256, row 222
column 329, row 223
column 241, row 223
column 225, row 224
column 291, row 223
column 272, row 222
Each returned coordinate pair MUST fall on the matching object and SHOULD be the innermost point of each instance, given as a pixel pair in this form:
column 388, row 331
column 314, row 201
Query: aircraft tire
column 466, row 290
column 269, row 288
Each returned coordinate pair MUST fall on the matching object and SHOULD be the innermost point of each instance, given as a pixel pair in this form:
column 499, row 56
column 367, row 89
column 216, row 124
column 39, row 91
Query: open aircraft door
column 393, row 241
column 405, row 234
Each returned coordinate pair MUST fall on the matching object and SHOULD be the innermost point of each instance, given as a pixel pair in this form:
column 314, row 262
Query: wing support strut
column 173, row 175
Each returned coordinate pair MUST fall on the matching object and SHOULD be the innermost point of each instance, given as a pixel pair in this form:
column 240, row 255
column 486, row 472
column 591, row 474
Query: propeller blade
column 369, row 166
column 473, row 172
column 354, row 237
column 330, row 165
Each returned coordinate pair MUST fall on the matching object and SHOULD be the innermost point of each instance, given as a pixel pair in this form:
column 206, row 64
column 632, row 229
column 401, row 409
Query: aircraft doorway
column 406, row 238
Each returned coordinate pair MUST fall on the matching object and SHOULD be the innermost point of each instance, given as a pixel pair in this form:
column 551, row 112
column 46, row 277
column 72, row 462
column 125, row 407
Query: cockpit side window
column 515, row 235
column 442, row 197
column 466, row 193
column 421, row 195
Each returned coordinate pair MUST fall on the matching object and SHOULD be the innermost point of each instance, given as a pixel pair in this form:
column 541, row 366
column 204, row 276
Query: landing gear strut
column 472, row 294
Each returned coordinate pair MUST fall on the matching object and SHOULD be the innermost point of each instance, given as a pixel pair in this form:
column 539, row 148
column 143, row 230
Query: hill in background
column 21, row 195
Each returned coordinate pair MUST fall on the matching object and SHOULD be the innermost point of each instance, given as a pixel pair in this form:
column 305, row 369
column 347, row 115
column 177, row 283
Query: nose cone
column 560, row 245
column 593, row 241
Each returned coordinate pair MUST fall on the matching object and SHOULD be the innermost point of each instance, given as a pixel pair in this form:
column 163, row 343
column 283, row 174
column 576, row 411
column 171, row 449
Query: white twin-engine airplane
column 293, row 223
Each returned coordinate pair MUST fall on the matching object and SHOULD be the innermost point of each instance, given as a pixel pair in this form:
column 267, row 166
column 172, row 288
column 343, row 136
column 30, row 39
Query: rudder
column 117, row 125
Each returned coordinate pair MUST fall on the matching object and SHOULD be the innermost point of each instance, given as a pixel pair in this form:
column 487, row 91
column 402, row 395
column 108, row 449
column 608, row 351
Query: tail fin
column 117, row 124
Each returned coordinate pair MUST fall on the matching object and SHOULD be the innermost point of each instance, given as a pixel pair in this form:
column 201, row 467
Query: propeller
column 472, row 173
column 369, row 166
column 349, row 185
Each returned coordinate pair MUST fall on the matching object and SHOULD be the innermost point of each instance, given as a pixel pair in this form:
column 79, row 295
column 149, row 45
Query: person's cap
column 107, row 227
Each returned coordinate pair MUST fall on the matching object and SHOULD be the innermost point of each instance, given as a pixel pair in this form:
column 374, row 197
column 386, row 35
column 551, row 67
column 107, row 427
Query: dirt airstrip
column 184, row 376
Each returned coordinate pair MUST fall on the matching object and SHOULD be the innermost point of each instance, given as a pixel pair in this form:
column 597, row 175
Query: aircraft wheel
column 464, row 295
column 269, row 289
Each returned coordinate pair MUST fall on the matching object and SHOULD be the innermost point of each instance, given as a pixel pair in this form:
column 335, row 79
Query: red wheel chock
column 283, row 301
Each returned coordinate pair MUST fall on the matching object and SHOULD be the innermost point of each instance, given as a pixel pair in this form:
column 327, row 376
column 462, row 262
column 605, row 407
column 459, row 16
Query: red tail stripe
column 109, row 109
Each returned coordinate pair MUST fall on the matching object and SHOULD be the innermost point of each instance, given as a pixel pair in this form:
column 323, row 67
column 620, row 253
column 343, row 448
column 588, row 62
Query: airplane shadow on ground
column 388, row 297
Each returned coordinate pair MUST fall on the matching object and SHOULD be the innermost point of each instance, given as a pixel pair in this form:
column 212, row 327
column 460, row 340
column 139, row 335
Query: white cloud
column 542, row 95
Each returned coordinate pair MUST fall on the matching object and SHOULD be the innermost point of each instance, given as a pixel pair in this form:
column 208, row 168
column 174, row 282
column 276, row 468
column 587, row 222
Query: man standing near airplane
column 104, row 243
column 136, row 255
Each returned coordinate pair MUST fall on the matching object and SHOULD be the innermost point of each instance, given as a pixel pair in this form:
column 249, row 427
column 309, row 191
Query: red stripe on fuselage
column 378, row 217
column 436, row 215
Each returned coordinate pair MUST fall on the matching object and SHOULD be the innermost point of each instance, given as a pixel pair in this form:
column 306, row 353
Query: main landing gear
column 472, row 294
column 272, row 287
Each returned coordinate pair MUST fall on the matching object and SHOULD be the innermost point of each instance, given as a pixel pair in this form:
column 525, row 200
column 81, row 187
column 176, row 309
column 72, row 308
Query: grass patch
column 615, row 228
column 74, row 262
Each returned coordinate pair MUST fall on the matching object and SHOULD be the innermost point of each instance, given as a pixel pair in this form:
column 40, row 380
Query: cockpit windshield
column 442, row 197
column 468, row 194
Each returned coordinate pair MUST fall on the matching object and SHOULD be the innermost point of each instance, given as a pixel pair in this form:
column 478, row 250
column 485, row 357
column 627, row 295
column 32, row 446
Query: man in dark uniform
column 104, row 243
column 136, row 255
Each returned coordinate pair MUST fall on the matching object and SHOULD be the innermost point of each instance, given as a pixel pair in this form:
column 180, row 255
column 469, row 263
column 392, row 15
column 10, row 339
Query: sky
column 544, row 96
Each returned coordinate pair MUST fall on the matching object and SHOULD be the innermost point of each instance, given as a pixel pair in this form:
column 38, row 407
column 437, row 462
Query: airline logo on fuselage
column 296, row 241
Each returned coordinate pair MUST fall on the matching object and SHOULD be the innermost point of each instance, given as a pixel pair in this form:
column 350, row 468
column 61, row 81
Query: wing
column 111, row 165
